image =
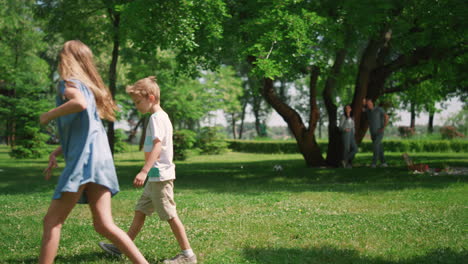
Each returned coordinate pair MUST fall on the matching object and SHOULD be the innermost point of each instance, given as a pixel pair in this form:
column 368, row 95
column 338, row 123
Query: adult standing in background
column 378, row 120
column 347, row 133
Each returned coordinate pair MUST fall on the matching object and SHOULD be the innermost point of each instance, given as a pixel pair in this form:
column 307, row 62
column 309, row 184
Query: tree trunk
column 369, row 82
column 305, row 138
column 335, row 144
column 115, row 17
column 233, row 124
column 413, row 115
column 241, row 127
column 256, row 108
column 366, row 66
column 134, row 131
column 143, row 133
column 430, row 125
column 320, row 124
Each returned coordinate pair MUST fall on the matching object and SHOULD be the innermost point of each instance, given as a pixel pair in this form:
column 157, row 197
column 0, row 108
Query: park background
column 249, row 189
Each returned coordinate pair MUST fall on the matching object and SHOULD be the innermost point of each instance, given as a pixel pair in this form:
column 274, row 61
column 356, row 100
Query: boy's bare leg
column 179, row 232
column 137, row 224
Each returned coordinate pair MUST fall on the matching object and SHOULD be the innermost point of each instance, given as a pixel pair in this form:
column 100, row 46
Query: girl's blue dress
column 85, row 147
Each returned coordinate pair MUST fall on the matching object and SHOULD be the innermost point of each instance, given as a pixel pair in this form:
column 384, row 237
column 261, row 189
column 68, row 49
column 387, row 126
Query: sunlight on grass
column 238, row 210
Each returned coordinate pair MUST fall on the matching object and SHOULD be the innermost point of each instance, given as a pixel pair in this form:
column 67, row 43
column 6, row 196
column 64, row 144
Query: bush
column 416, row 145
column 406, row 132
column 211, row 140
column 184, row 140
column 29, row 143
column 263, row 146
column 459, row 146
column 120, row 138
column 450, row 132
column 272, row 146
column 436, row 146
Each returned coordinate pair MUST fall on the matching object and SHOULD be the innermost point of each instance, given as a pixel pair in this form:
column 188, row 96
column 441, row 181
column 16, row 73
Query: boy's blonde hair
column 145, row 87
column 76, row 62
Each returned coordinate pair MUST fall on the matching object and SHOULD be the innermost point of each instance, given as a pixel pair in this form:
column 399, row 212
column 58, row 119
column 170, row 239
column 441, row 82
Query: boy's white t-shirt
column 160, row 127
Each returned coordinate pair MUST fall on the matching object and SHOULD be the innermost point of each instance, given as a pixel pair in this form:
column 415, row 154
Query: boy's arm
column 152, row 158
column 76, row 103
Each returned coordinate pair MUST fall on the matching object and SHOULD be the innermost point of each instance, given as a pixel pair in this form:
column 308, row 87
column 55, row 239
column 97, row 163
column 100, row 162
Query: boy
column 158, row 194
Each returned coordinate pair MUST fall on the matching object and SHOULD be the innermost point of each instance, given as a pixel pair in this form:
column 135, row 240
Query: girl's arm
column 76, row 103
column 57, row 151
column 152, row 158
column 52, row 162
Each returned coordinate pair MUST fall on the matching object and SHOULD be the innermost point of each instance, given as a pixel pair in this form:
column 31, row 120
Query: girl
column 89, row 174
column 347, row 130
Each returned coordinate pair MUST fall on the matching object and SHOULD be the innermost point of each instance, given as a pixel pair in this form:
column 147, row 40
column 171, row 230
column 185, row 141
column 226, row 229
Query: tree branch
column 289, row 115
column 407, row 84
column 313, row 112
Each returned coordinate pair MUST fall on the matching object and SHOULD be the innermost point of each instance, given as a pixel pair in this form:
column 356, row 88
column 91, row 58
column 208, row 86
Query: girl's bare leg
column 99, row 198
column 53, row 221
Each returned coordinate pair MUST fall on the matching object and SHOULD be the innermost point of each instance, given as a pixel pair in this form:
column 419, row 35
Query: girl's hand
column 140, row 179
column 52, row 165
column 347, row 129
column 44, row 119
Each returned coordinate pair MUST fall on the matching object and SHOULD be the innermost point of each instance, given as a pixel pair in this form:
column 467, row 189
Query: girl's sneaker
column 181, row 259
column 111, row 249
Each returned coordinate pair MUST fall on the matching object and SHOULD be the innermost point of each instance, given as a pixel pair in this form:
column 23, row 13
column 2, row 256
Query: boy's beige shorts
column 159, row 197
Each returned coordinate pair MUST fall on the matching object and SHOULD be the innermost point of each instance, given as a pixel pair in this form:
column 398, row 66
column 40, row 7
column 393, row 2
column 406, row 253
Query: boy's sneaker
column 180, row 259
column 384, row 165
column 111, row 249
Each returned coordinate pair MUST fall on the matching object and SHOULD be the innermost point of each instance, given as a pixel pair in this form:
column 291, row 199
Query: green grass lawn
column 236, row 209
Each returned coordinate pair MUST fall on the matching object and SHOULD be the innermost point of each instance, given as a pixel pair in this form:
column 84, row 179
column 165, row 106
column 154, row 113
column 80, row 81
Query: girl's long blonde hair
column 76, row 62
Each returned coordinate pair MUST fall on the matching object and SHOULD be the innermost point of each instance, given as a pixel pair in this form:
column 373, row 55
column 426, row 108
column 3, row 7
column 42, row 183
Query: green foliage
column 120, row 144
column 278, row 146
column 23, row 79
column 189, row 29
column 211, row 140
column 29, row 141
column 459, row 120
column 184, row 140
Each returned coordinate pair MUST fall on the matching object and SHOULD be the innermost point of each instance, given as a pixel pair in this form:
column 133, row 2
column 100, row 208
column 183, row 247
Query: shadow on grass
column 254, row 177
column 344, row 256
column 97, row 257
column 258, row 176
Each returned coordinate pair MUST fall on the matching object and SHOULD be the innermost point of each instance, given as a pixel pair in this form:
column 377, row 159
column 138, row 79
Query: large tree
column 371, row 40
column 185, row 27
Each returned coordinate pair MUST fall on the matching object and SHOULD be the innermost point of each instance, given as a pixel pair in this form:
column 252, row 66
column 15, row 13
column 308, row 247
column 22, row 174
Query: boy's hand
column 44, row 119
column 140, row 179
column 52, row 164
